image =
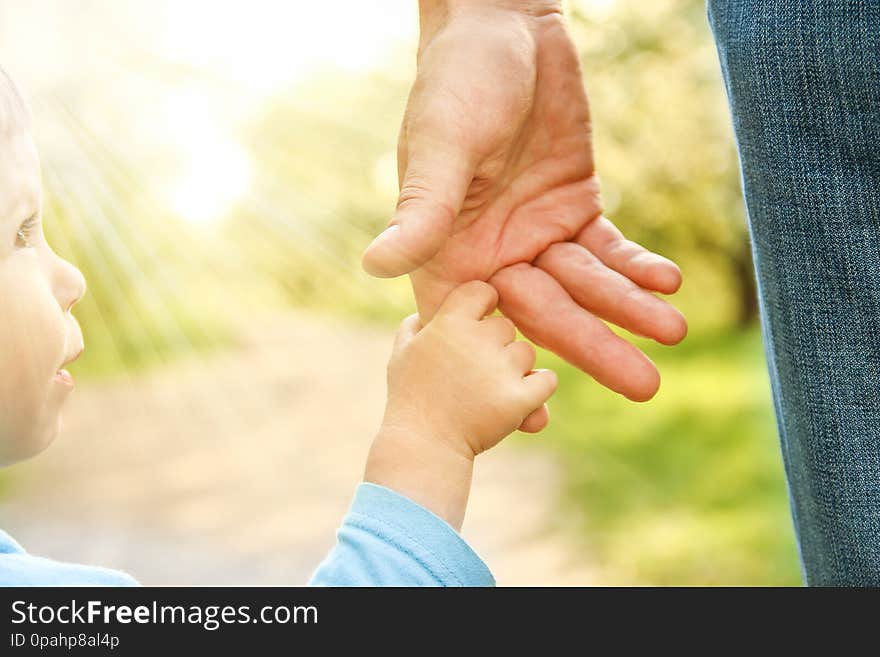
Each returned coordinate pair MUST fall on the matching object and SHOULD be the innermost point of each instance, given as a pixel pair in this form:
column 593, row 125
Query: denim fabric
column 803, row 81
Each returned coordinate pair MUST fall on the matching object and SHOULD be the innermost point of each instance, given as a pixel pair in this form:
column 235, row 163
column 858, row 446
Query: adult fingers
column 430, row 290
column 547, row 315
column 611, row 295
column 647, row 269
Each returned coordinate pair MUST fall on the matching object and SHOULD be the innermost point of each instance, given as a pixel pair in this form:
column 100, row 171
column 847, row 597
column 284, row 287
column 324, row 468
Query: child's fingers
column 407, row 330
column 522, row 354
column 536, row 421
column 501, row 329
column 540, row 386
column 475, row 299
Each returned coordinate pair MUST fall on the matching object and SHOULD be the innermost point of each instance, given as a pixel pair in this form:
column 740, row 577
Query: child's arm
column 456, row 388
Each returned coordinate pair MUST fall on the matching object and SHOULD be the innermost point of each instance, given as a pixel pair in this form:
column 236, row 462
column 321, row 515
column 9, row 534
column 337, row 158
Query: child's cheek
column 32, row 345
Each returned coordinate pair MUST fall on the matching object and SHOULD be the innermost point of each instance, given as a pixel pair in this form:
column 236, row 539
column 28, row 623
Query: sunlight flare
column 213, row 171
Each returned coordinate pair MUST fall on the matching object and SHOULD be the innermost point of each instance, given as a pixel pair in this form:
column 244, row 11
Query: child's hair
column 13, row 108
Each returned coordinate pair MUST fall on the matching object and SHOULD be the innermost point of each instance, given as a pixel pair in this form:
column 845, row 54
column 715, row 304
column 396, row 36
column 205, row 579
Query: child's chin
column 30, row 443
column 50, row 432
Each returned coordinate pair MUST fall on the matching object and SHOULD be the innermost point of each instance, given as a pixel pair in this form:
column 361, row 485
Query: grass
column 688, row 489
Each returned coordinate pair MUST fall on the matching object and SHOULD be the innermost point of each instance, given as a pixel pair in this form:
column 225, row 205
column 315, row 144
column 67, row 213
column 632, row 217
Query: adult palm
column 498, row 183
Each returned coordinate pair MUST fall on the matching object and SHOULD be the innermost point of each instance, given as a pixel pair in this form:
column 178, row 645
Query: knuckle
column 501, row 324
column 447, row 326
column 417, row 191
column 524, row 352
column 412, row 195
column 409, row 322
column 441, row 324
column 412, row 191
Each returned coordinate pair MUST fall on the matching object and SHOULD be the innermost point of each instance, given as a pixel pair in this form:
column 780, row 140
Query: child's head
column 38, row 334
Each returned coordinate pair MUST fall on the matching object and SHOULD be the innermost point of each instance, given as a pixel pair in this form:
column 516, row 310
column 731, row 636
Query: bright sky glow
column 265, row 44
column 214, row 171
column 597, row 9
column 183, row 76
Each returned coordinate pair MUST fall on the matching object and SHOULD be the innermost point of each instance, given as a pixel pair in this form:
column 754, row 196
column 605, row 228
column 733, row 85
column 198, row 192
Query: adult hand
column 498, row 183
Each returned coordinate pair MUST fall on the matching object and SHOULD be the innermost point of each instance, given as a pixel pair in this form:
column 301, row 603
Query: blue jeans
column 803, row 81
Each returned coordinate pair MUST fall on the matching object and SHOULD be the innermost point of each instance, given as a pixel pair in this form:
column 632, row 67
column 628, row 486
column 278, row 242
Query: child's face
column 38, row 334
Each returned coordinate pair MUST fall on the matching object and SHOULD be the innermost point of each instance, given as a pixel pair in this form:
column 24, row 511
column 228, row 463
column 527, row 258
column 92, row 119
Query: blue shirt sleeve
column 385, row 540
column 389, row 540
column 18, row 568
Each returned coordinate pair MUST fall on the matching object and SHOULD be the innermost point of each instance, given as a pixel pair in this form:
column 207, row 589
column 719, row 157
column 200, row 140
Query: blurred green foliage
column 665, row 149
column 687, row 489
column 325, row 184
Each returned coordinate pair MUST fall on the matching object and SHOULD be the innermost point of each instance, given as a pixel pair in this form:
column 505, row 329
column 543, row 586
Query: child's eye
column 24, row 235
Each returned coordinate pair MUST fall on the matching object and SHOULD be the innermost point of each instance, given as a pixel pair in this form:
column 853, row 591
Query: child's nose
column 70, row 285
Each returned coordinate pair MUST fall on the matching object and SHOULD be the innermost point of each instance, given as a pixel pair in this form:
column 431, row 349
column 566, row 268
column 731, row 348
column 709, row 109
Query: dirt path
column 237, row 469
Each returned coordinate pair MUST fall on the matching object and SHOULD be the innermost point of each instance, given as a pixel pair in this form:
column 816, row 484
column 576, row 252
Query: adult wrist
column 435, row 14
column 529, row 7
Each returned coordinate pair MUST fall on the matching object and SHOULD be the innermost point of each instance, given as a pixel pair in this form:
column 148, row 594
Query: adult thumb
column 431, row 195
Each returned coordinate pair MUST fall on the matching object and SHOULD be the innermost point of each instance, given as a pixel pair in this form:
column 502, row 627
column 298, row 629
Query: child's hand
column 463, row 379
column 455, row 388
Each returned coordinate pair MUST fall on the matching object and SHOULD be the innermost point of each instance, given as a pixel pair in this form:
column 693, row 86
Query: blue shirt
column 385, row 540
column 18, row 568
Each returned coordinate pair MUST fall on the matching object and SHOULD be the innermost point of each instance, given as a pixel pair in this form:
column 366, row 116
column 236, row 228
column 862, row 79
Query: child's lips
column 63, row 376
